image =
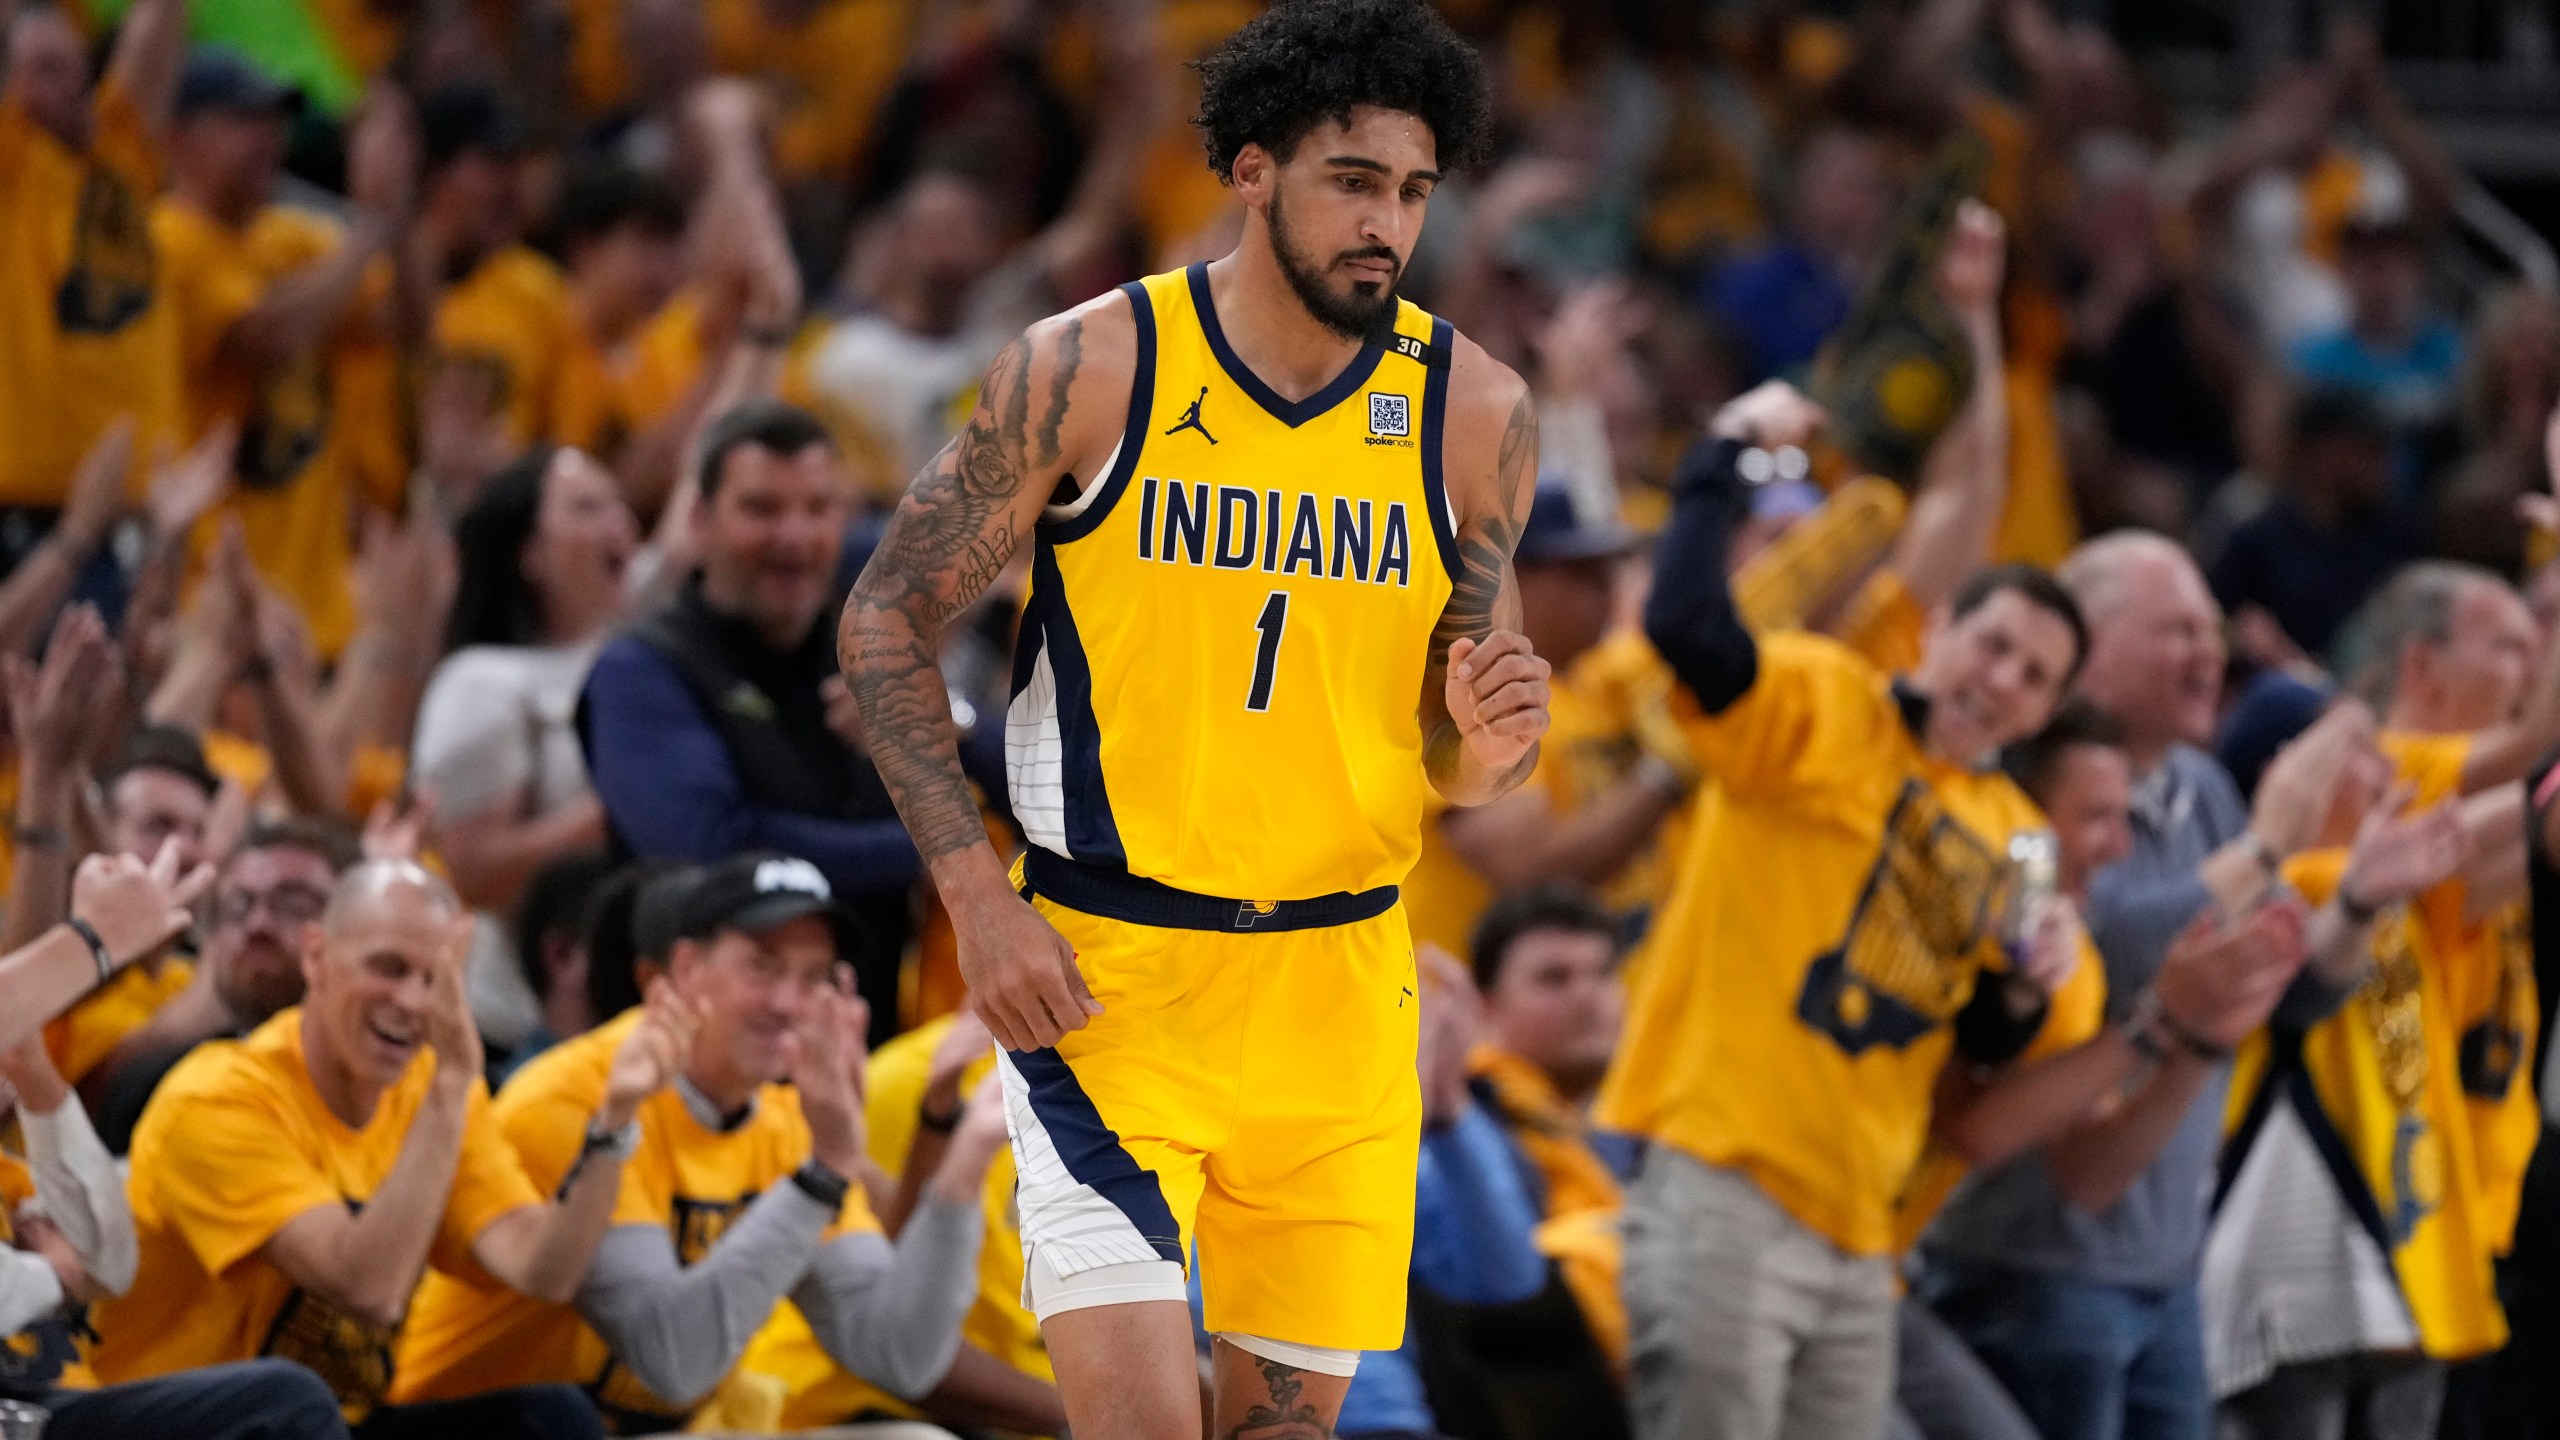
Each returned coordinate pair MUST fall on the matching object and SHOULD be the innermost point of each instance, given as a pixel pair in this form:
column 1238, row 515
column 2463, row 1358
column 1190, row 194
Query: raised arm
column 151, row 47
column 953, row 533
column 1965, row 478
column 1484, row 693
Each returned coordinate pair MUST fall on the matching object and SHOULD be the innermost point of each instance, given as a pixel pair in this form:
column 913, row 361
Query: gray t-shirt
column 2153, row 1237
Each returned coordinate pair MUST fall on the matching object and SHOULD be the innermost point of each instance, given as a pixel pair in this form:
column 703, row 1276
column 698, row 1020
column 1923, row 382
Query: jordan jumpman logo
column 1191, row 419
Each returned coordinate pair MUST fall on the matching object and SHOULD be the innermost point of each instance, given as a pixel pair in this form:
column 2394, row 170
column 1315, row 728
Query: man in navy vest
column 719, row 724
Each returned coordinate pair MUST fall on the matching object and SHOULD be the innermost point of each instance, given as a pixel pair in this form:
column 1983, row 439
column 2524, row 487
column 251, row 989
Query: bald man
column 2088, row 1311
column 290, row 1189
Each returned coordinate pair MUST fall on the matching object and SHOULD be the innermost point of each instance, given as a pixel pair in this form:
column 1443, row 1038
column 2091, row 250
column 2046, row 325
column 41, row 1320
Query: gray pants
column 2356, row 1397
column 1942, row 1390
column 1746, row 1325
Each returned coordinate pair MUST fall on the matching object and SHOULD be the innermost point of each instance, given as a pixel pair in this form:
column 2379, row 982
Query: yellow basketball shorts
column 1252, row 1092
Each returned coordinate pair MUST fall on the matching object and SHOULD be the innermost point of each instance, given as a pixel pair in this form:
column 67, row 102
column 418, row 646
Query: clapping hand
column 653, row 1054
column 134, row 907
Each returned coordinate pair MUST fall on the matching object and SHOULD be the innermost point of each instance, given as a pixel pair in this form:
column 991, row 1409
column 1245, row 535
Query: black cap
column 219, row 78
column 466, row 115
column 163, row 747
column 657, row 912
column 754, row 893
column 1557, row 532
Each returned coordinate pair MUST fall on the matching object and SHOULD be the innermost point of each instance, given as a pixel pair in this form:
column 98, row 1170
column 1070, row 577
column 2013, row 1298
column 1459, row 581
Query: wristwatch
column 621, row 1144
column 821, row 1184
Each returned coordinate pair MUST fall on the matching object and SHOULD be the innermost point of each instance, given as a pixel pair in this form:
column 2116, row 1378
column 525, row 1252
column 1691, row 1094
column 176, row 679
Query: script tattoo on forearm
column 951, row 536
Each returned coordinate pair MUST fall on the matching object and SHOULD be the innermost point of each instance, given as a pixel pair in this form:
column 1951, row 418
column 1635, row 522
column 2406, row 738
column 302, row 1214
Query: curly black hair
column 1303, row 62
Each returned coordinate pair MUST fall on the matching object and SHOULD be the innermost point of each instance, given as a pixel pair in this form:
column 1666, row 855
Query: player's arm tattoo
column 1281, row 1415
column 1482, row 597
column 1485, row 541
column 953, row 532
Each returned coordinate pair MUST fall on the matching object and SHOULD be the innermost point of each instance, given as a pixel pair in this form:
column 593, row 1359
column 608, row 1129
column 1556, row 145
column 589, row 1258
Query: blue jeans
column 2084, row 1361
column 251, row 1400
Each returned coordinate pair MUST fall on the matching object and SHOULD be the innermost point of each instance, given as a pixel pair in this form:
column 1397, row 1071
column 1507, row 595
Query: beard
column 1367, row 313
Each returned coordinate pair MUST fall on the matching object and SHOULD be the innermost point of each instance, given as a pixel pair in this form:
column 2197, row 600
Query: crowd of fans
column 463, row 975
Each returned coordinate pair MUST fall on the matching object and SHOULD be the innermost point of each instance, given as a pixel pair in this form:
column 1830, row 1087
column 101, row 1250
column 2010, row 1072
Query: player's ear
column 1254, row 172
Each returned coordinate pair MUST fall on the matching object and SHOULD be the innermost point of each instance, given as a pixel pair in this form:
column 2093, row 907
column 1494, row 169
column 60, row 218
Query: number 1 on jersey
column 1266, row 659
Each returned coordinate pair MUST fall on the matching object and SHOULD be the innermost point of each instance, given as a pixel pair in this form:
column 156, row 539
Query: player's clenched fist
column 1021, row 973
column 1497, row 694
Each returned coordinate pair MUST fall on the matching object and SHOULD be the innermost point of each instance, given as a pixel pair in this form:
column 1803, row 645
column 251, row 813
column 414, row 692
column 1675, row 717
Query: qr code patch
column 1389, row 414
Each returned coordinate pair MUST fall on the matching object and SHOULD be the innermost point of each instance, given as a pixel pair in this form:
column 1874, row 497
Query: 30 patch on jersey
column 1390, row 415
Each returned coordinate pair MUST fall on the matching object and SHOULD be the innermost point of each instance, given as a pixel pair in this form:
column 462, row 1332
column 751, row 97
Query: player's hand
column 827, row 1056
column 1022, row 975
column 451, row 1032
column 136, row 908
column 652, row 1055
column 1497, row 694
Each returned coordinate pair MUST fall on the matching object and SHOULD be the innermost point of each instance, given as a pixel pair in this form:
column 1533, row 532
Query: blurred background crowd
column 445, row 430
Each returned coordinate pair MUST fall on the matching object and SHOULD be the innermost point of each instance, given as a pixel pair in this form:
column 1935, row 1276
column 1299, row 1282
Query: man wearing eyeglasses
column 273, row 886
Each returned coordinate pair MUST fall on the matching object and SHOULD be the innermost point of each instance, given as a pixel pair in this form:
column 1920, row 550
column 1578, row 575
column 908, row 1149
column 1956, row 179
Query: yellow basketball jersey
column 1220, row 667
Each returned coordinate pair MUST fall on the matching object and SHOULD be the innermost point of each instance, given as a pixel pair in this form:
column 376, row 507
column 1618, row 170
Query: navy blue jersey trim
column 1291, row 414
column 1435, row 410
column 1048, row 626
column 1133, row 431
column 1091, row 1150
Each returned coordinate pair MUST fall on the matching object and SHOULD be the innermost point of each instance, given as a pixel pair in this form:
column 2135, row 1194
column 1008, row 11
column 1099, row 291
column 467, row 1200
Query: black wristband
column 942, row 1124
column 39, row 837
column 822, row 1184
column 98, row 950
column 769, row 337
column 2357, row 912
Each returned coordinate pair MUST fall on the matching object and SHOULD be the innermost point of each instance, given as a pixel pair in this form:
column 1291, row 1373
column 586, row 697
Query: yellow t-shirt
column 1794, row 1016
column 509, row 322
column 821, row 1392
column 2386, row 1081
column 605, row 398
column 1442, row 894
column 236, row 1144
column 831, row 70
column 82, row 1037
column 467, row 1334
column 87, row 339
column 2078, row 1011
column 318, row 437
column 1598, row 710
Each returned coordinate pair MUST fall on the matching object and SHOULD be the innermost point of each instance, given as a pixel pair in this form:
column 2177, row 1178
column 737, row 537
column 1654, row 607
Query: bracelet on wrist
column 768, row 337
column 944, row 1123
column 39, row 837
column 98, row 950
column 2262, row 852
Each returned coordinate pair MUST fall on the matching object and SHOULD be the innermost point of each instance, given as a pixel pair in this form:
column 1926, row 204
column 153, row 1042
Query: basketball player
column 1271, row 510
